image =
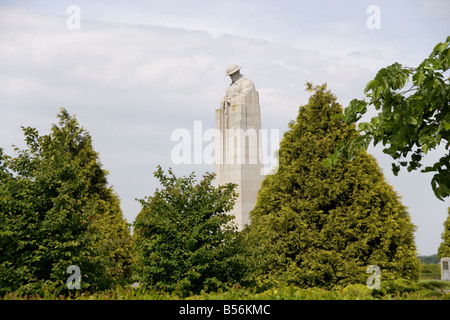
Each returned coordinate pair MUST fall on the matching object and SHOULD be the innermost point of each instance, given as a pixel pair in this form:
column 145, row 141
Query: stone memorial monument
column 238, row 148
column 445, row 269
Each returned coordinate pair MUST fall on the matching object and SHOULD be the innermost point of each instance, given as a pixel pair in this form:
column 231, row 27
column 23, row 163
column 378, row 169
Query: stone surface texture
column 445, row 268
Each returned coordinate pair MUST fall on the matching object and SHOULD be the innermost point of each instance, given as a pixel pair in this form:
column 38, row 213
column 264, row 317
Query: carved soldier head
column 232, row 68
column 233, row 72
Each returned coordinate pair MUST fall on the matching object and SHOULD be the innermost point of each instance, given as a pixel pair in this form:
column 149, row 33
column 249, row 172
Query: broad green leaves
column 413, row 118
column 184, row 238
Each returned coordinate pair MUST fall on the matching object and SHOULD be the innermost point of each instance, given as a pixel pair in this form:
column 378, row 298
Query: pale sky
column 135, row 71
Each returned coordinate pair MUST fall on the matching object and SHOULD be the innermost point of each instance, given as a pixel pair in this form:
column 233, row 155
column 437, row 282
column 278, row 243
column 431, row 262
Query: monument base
column 445, row 269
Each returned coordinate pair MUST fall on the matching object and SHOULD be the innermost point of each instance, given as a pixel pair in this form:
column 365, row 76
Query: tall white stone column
column 238, row 146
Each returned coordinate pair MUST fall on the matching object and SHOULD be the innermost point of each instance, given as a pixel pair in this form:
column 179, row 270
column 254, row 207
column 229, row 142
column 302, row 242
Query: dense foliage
column 399, row 289
column 56, row 210
column 413, row 118
column 444, row 248
column 319, row 221
column 320, row 226
column 433, row 259
column 185, row 240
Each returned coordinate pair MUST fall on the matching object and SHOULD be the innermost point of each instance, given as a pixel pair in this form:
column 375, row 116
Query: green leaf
column 327, row 162
column 395, row 169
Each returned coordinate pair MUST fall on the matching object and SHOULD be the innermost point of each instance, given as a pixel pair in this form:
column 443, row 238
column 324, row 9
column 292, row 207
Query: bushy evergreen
column 56, row 210
column 444, row 248
column 315, row 225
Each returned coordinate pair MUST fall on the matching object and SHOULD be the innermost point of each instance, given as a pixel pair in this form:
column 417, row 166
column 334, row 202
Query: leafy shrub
column 184, row 239
column 430, row 271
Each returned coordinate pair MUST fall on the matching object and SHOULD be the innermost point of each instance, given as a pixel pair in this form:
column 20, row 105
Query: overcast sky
column 135, row 71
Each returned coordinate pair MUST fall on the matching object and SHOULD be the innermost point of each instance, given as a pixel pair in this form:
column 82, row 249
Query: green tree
column 56, row 210
column 413, row 118
column 433, row 259
column 444, row 248
column 315, row 225
column 185, row 241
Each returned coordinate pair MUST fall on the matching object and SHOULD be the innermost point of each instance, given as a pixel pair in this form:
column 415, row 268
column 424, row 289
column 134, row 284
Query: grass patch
column 430, row 271
column 427, row 288
column 390, row 290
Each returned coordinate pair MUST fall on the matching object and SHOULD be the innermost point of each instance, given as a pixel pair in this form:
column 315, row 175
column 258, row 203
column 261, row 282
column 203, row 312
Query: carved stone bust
column 240, row 86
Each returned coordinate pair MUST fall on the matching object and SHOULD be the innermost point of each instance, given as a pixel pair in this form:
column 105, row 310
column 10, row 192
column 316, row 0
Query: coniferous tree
column 56, row 210
column 315, row 225
column 444, row 248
